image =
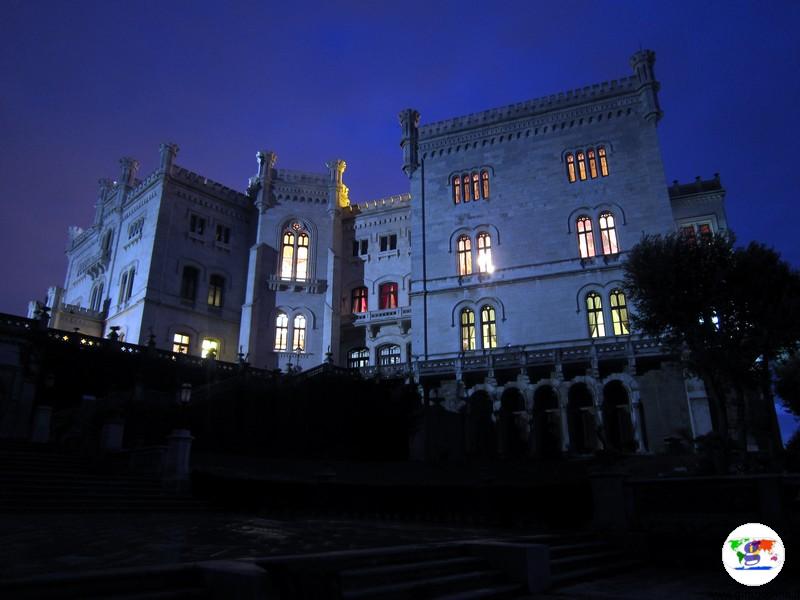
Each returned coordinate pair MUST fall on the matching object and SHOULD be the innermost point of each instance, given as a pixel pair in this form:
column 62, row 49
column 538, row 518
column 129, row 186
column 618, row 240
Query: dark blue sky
column 84, row 83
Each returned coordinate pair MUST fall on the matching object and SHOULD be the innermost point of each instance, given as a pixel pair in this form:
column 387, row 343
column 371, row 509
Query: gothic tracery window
column 592, row 163
column 594, row 315
column 281, row 331
column 358, row 358
column 299, row 334
column 583, row 226
column 457, row 189
column 294, row 253
column 359, row 300
column 464, row 253
column 608, row 233
column 571, row 168
column 485, row 184
column 488, row 327
column 485, row 253
column 476, row 186
column 581, row 165
column 601, row 152
column 470, row 186
column 389, row 355
column 387, row 295
column 619, row 312
column 467, row 329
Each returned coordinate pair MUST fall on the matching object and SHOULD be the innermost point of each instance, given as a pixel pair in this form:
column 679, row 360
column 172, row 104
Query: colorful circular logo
column 753, row 554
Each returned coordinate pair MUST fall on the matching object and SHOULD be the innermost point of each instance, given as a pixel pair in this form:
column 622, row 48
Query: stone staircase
column 154, row 583
column 43, row 478
column 443, row 572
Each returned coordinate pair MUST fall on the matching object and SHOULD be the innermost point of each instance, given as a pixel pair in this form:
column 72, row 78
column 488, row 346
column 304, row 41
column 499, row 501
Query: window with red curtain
column 388, row 295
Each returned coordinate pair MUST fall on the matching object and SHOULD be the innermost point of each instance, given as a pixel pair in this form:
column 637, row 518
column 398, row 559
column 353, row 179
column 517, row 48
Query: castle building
column 497, row 279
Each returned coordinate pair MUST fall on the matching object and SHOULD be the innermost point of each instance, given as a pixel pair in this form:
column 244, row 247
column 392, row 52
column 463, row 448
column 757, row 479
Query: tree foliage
column 787, row 382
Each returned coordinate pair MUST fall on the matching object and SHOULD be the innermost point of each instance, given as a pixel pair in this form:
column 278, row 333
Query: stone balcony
column 375, row 319
column 311, row 286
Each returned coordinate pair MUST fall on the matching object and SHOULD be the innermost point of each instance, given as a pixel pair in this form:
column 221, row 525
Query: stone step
column 498, row 592
column 428, row 587
column 362, row 577
column 589, row 573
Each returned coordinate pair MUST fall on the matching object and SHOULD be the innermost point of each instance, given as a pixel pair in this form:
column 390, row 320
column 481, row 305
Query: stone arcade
column 495, row 284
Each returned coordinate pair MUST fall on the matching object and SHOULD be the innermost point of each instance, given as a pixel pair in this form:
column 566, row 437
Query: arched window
column 581, row 165
column 571, row 167
column 464, row 252
column 189, row 283
column 601, row 152
column 485, row 253
column 359, row 300
column 287, row 255
column 583, row 225
column 281, row 331
column 216, row 290
column 485, row 184
column 389, row 355
column 457, row 189
column 387, row 294
column 476, row 186
column 467, row 188
column 106, row 247
column 299, row 334
column 594, row 315
column 592, row 163
column 126, row 285
column 608, row 233
column 619, row 312
column 488, row 327
column 96, row 301
column 467, row 329
column 294, row 254
column 358, row 358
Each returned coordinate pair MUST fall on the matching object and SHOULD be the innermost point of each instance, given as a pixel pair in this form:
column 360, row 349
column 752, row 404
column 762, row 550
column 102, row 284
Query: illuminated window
column 358, row 358
column 581, row 165
column 96, row 301
column 389, row 355
column 571, row 168
column 619, row 312
column 583, row 225
column 476, row 186
column 485, row 253
column 359, row 300
column 457, row 189
column 301, row 273
column 281, row 331
column 209, row 348
column 287, row 255
column 223, row 234
column 180, row 343
column 387, row 294
column 608, row 233
column 467, row 329
column 485, row 184
column 594, row 314
column 470, row 186
column 601, row 152
column 592, row 163
column 488, row 327
column 299, row 334
column 467, row 187
column 216, row 287
column 189, row 283
column 464, row 252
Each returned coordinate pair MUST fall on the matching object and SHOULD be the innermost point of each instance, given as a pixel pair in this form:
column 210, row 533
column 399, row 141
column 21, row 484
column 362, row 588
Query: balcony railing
column 386, row 315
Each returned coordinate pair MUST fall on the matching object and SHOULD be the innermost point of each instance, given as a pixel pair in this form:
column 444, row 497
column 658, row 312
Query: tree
column 787, row 382
column 729, row 311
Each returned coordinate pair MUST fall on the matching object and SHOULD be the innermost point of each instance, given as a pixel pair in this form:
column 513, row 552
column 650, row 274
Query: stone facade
column 497, row 279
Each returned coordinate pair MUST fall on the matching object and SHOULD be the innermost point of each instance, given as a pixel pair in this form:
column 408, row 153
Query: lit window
column 601, row 152
column 467, row 188
column 608, row 233
column 209, row 348
column 594, row 313
column 223, row 234
column 358, row 358
column 299, row 334
column 619, row 312
column 485, row 184
column 388, row 242
column 583, row 225
column 467, row 329
column 457, row 189
column 571, row 168
column 592, row 163
column 488, row 327
column 180, row 343
column 476, row 186
column 302, row 257
column 387, row 294
column 359, row 300
column 197, row 225
column 485, row 253
column 464, row 252
column 189, row 283
column 281, row 331
column 581, row 166
column 216, row 286
column 287, row 255
column 389, row 355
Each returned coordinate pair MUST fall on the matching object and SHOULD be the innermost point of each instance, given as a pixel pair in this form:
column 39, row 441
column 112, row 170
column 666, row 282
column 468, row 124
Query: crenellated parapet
column 387, row 203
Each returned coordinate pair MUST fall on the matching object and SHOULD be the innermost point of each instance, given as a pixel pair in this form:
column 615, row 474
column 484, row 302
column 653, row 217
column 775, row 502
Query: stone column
column 176, row 461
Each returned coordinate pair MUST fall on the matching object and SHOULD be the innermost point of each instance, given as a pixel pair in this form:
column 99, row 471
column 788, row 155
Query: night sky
column 85, row 83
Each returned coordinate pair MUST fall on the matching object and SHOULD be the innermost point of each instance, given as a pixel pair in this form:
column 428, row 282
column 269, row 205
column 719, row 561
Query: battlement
column 291, row 176
column 598, row 91
column 389, row 202
column 698, row 186
column 212, row 187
